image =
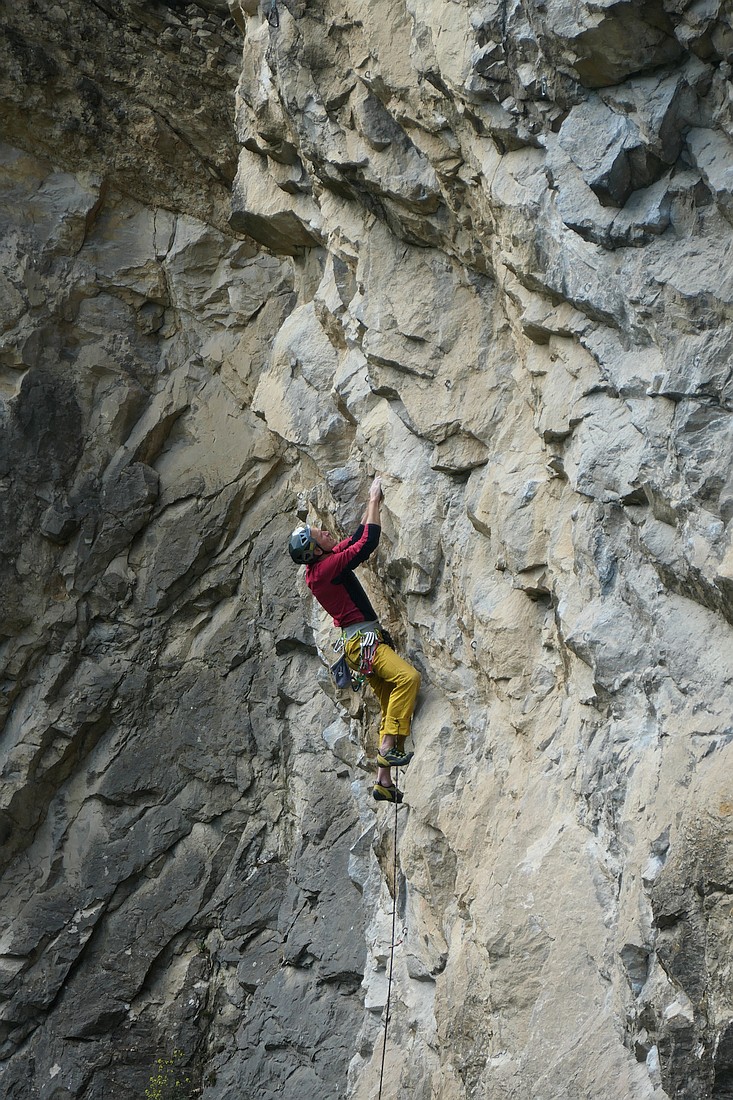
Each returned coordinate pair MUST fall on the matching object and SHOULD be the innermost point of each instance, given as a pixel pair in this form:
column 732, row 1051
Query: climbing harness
column 343, row 674
column 392, row 943
column 369, row 639
column 369, row 635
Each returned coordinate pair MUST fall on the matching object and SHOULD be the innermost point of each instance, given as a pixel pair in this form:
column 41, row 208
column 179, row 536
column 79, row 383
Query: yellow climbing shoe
column 393, row 758
column 386, row 794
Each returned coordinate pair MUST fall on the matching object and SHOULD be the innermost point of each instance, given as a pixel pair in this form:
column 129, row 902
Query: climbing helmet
column 302, row 545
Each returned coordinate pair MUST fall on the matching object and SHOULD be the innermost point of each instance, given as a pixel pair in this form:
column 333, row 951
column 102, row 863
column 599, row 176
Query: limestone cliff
column 249, row 256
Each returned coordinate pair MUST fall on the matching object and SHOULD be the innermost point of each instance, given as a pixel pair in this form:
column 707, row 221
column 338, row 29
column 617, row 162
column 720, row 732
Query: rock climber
column 330, row 577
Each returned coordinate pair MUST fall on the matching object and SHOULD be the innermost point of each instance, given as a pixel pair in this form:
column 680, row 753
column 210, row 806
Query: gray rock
column 606, row 44
column 712, row 152
column 488, row 256
column 609, row 150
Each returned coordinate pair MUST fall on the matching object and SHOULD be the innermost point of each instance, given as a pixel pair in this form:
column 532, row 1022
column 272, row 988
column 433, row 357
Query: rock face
column 139, row 92
column 485, row 251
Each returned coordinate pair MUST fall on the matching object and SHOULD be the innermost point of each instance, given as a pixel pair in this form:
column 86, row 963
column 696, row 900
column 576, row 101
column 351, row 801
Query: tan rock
column 417, row 273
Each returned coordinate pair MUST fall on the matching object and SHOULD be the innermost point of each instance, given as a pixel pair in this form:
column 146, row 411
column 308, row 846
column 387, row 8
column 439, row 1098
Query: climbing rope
column 391, row 941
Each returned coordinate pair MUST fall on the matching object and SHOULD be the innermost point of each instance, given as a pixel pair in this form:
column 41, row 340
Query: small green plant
column 169, row 1081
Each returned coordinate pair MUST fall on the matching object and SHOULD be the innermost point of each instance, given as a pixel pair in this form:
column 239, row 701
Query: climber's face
column 323, row 539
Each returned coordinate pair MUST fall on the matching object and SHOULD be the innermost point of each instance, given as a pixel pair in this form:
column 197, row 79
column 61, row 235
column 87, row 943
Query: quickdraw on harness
column 368, row 642
column 342, row 672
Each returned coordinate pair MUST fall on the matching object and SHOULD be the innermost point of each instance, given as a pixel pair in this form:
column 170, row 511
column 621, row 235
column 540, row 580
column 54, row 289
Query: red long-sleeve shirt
column 331, row 578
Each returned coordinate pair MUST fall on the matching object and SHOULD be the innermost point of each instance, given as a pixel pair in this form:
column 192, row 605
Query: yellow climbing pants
column 394, row 682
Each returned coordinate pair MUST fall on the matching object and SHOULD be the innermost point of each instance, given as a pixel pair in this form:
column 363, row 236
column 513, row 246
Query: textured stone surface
column 485, row 251
column 139, row 92
column 165, row 806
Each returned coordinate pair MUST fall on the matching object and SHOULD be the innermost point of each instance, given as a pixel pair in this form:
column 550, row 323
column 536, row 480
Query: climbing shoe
column 386, row 794
column 393, row 758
